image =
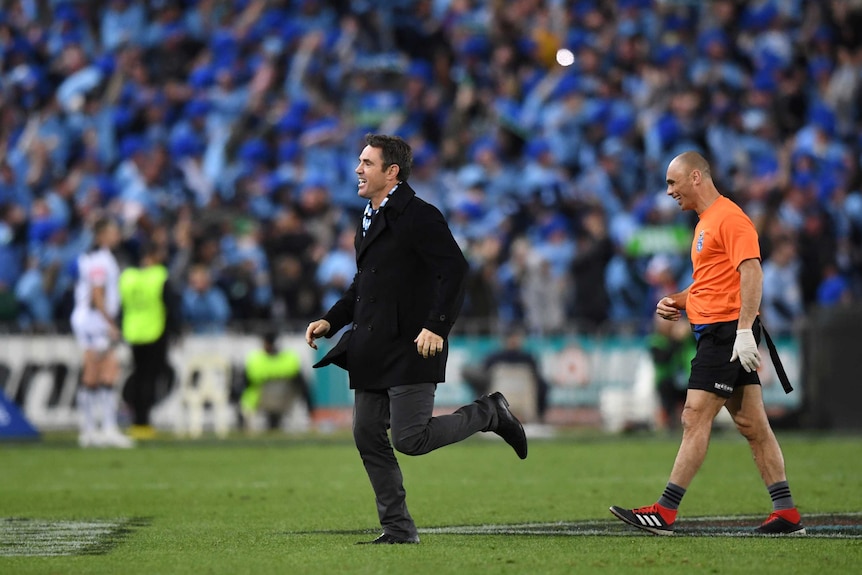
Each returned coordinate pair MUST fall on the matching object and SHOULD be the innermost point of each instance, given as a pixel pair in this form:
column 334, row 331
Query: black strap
column 776, row 361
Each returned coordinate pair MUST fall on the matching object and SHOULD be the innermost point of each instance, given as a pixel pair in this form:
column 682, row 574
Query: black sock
column 672, row 496
column 781, row 497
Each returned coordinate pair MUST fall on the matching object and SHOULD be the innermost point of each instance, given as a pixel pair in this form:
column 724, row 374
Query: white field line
column 36, row 537
column 598, row 532
column 694, row 526
column 24, row 537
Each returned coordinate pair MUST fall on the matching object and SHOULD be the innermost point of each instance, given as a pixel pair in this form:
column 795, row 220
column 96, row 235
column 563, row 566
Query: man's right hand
column 666, row 309
column 315, row 330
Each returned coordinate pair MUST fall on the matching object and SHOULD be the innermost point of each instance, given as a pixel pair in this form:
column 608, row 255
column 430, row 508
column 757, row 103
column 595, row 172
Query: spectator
column 244, row 279
column 594, row 252
column 205, row 308
column 33, row 297
column 149, row 110
column 292, row 252
column 149, row 322
column 781, row 305
column 122, row 22
column 834, row 289
column 337, row 269
column 511, row 276
column 481, row 299
column 543, row 295
column 513, row 352
column 274, row 380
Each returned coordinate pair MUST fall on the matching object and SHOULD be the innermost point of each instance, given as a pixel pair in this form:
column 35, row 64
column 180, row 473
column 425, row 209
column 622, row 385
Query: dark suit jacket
column 410, row 275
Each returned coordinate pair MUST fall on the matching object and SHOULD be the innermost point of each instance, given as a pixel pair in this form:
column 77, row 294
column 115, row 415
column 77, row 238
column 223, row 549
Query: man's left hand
column 745, row 349
column 428, row 343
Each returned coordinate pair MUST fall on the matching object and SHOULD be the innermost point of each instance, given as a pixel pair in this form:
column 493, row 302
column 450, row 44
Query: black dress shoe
column 508, row 426
column 387, row 539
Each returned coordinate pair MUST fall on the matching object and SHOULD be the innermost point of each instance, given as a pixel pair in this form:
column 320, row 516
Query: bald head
column 689, row 182
column 690, row 161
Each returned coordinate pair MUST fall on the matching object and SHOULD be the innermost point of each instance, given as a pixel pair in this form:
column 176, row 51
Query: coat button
column 359, row 270
column 374, row 270
column 358, row 298
column 372, row 299
column 370, row 328
column 355, row 325
column 442, row 317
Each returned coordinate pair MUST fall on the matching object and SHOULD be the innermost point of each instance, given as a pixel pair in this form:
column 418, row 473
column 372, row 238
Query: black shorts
column 711, row 368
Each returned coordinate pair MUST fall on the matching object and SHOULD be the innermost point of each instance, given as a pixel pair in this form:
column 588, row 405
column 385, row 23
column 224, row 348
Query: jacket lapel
column 378, row 224
column 393, row 208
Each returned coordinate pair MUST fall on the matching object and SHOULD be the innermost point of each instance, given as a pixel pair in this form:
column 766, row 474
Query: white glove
column 745, row 348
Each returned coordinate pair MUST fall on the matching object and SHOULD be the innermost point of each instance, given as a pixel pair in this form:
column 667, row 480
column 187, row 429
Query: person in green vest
column 150, row 319
column 274, row 379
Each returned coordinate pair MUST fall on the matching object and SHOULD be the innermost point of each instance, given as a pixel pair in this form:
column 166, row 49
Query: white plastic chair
column 518, row 384
column 212, row 385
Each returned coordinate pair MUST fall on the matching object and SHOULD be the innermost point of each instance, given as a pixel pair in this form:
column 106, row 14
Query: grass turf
column 298, row 506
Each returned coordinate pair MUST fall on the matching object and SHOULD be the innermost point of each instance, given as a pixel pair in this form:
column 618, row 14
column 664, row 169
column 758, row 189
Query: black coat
column 410, row 275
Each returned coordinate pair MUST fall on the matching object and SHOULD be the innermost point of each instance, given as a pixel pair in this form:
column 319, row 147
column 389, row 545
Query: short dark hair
column 102, row 223
column 152, row 250
column 395, row 151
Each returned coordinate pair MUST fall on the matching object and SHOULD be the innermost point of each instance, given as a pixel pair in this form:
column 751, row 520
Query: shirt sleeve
column 739, row 238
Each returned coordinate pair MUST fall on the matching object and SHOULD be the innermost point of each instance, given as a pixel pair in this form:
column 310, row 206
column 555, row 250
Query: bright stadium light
column 565, row 57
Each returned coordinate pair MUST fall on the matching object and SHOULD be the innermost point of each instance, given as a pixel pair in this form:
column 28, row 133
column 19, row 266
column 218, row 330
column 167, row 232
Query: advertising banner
column 13, row 424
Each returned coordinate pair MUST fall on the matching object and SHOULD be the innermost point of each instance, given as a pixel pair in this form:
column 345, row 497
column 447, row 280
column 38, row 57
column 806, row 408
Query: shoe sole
column 396, row 542
column 797, row 533
column 652, row 530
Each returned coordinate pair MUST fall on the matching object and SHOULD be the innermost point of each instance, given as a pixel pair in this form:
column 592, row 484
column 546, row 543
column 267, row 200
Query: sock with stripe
column 782, row 501
column 669, row 501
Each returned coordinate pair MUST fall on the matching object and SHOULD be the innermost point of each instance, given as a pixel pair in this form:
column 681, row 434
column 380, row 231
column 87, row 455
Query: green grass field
column 298, row 506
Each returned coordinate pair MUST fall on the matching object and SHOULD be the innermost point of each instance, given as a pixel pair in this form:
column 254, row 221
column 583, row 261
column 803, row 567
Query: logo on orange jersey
column 699, row 245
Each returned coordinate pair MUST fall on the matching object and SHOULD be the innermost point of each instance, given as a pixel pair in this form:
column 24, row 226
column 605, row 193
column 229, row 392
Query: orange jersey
column 723, row 239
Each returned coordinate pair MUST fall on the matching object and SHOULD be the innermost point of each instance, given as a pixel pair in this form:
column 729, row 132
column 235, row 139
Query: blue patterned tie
column 366, row 218
column 370, row 212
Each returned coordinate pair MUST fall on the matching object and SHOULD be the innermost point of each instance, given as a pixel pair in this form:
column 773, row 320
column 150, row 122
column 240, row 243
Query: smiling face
column 689, row 182
column 375, row 179
column 680, row 184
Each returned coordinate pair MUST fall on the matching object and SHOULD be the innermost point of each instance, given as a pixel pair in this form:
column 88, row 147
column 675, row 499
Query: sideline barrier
column 40, row 374
column 579, row 369
column 13, row 424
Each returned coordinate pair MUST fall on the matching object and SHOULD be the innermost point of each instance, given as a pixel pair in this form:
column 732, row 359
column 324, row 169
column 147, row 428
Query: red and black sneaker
column 784, row 522
column 653, row 518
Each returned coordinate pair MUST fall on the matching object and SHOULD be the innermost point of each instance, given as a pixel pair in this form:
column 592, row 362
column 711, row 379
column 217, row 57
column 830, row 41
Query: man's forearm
column 680, row 298
column 750, row 292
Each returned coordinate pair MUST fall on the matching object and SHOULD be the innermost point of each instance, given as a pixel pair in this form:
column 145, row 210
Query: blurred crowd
column 228, row 131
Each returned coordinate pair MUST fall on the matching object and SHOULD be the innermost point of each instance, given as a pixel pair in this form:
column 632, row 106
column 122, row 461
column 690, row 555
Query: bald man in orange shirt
column 722, row 305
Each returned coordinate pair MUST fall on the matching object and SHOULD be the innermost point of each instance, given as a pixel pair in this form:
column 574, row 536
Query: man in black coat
column 404, row 299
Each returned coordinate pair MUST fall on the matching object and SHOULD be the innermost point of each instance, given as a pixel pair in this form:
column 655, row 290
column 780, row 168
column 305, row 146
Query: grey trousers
column 406, row 409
